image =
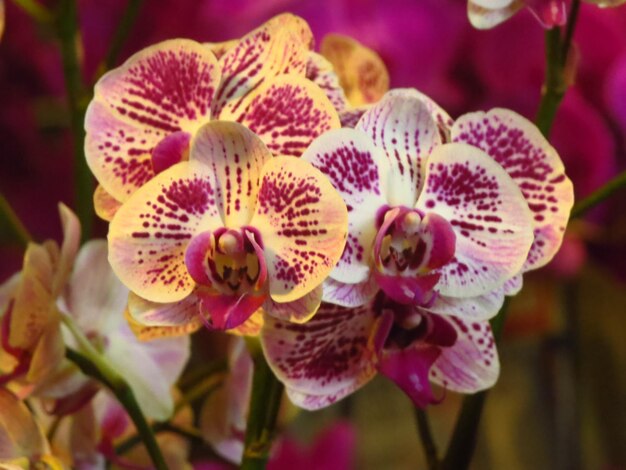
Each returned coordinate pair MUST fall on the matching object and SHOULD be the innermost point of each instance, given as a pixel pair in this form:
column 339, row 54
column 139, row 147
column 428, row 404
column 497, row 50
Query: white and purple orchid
column 485, row 14
column 231, row 230
column 145, row 112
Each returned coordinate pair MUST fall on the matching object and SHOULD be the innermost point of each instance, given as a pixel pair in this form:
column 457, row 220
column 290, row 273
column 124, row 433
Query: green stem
column 569, row 30
column 187, row 432
column 265, row 400
column 555, row 85
column 599, row 195
column 11, row 223
column 464, row 437
column 93, row 364
column 426, row 436
column 35, row 10
column 121, row 33
column 67, row 28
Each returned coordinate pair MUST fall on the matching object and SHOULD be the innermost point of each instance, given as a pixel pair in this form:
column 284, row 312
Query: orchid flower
column 446, row 227
column 23, row 444
column 144, row 113
column 95, row 300
column 352, row 76
column 485, row 14
column 215, row 238
column 341, row 349
column 30, row 334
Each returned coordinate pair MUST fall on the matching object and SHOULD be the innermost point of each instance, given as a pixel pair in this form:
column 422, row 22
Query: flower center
column 230, row 261
column 408, row 248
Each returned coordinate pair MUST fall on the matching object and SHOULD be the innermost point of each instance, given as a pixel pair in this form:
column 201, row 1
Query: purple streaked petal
column 162, row 89
column 303, row 222
column 331, row 353
column 517, row 145
column 296, row 311
column 358, row 170
column 409, row 368
column 403, row 127
column 349, row 295
column 287, row 113
column 478, row 308
column 180, row 314
column 441, row 117
column 514, row 285
column 471, row 364
column 277, row 47
column 150, row 232
column 488, row 213
column 236, row 156
column 321, row 72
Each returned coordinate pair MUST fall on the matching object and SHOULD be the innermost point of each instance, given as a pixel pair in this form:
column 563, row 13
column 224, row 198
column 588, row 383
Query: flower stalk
column 91, row 363
column 265, row 401
column 11, row 223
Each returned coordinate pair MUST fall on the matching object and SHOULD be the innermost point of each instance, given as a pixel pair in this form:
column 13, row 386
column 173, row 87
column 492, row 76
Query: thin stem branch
column 121, row 34
column 35, row 10
column 11, row 223
column 554, row 85
column 267, row 392
column 569, row 30
column 93, row 364
column 67, row 28
column 426, row 436
column 599, row 195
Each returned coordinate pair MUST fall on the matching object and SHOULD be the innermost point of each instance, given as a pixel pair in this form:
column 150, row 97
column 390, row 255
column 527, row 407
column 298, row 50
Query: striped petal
column 321, row 72
column 297, row 311
column 162, row 89
column 287, row 113
column 236, row 157
column 303, row 223
column 329, row 356
column 471, row 364
column 358, row 170
column 478, row 308
column 489, row 216
column 349, row 295
column 362, row 73
column 277, row 47
column 150, row 232
column 442, row 118
column 517, row 145
column 403, row 127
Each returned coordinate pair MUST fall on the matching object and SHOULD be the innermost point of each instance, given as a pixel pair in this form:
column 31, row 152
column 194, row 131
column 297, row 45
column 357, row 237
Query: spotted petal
column 329, row 356
column 162, row 89
column 488, row 213
column 403, row 127
column 297, row 311
column 362, row 73
column 321, row 72
column 236, row 157
column 150, row 232
column 442, row 118
column 517, row 145
column 287, row 113
column 471, row 364
column 182, row 314
column 478, row 308
column 277, row 47
column 358, row 170
column 303, row 224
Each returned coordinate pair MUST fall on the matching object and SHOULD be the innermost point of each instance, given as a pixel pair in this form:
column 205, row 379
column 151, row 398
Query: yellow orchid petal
column 105, row 205
column 20, row 434
column 361, row 71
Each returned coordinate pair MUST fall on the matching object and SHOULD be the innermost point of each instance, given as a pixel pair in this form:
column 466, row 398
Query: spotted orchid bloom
column 341, row 349
column 233, row 229
column 30, row 336
column 485, row 14
column 145, row 112
column 447, row 227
